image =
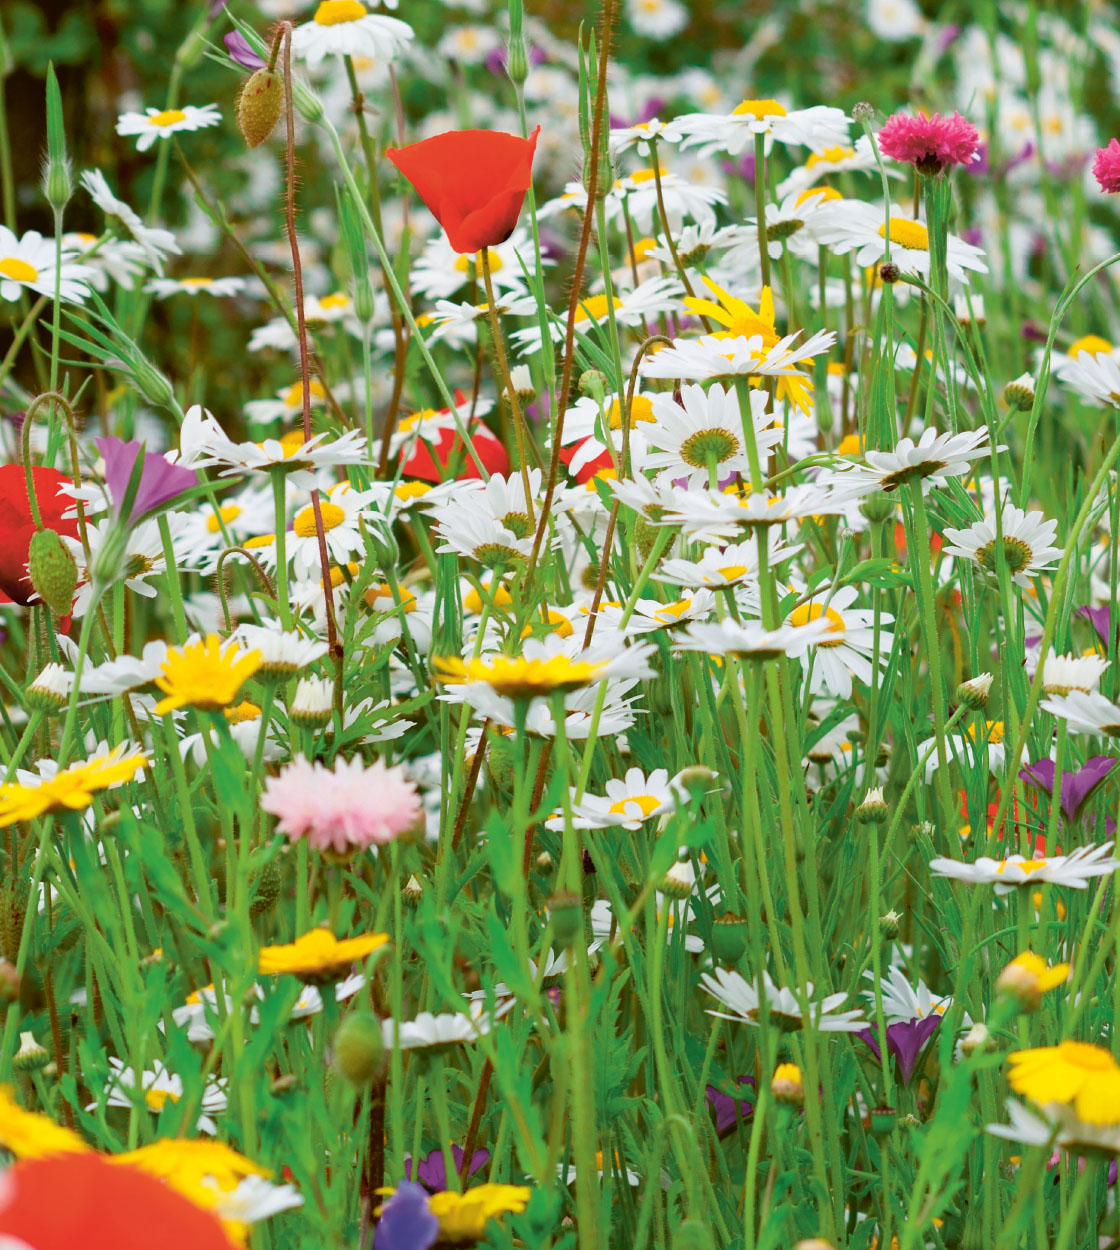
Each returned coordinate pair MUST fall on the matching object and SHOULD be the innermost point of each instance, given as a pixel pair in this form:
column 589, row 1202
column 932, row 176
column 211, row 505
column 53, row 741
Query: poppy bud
column 54, row 573
column 500, row 763
column 259, row 105
column 267, row 888
column 359, row 1052
column 9, row 982
column 729, row 938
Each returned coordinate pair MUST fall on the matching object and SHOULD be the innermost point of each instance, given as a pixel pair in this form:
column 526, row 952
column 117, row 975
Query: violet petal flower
column 1078, row 787
column 241, row 51
column 406, row 1222
column 905, row 1040
column 730, row 1112
column 1099, row 618
column 432, row 1172
column 160, row 481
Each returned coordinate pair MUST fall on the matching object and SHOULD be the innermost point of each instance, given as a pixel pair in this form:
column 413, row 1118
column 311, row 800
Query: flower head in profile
column 155, row 124
column 1106, row 167
column 30, row 264
column 414, row 1220
column 473, row 182
column 204, row 674
column 160, row 480
column 70, row 789
column 342, row 809
column 1076, row 1074
column 347, row 28
column 318, row 953
column 930, row 144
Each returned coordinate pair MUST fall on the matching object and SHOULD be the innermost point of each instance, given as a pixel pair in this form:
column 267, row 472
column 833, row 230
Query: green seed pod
column 878, row 507
column 54, row 574
column 359, row 1052
column 267, row 888
column 259, row 105
column 729, row 938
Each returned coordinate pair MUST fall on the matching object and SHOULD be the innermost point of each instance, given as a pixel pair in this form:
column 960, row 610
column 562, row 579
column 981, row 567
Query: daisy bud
column 313, row 701
column 873, row 809
column 890, row 272
column 53, row 571
column 890, row 925
column 30, row 1057
column 517, row 55
column 359, row 1053
column 1027, row 977
column 692, row 1235
column 787, row 1086
column 973, row 315
column 566, row 914
column 679, row 880
column 412, row 891
column 545, row 862
column 259, row 105
column 593, row 383
column 522, row 380
column 974, row 692
column 1020, row 393
column 729, row 938
column 863, row 112
column 50, row 691
column 878, row 507
column 978, row 1038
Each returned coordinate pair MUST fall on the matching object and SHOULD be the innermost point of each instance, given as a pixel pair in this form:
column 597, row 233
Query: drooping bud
column 259, row 105
column 974, row 692
column 359, row 1052
column 53, row 570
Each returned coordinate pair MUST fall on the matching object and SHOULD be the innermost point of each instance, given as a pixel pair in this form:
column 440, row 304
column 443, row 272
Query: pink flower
column 930, row 144
column 344, row 809
column 1106, row 168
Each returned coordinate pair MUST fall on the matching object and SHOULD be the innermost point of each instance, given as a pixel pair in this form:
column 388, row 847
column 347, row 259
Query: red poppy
column 16, row 525
column 421, row 464
column 104, row 1206
column 473, row 182
column 590, row 467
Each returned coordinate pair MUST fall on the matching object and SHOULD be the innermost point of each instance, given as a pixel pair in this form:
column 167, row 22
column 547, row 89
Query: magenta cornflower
column 1106, row 168
column 930, row 144
column 344, row 809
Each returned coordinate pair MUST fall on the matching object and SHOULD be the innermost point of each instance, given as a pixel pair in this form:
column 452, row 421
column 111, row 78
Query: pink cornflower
column 1106, row 168
column 344, row 809
column 930, row 144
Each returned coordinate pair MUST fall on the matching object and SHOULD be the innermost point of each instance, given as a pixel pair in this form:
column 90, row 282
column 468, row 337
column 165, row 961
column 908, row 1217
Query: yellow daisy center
column 304, row 524
column 195, row 283
column 830, row 156
column 758, row 109
column 291, row 442
column 242, row 712
column 645, row 801
column 293, row 398
column 911, row 235
column 640, row 410
column 672, row 612
column 825, row 194
column 412, row 490
column 169, row 117
column 850, row 445
column 262, row 540
column 814, row 611
column 642, row 175
column 18, row 270
column 1026, row 867
column 642, row 249
column 157, row 1099
column 335, row 12
column 1091, row 343
column 230, row 512
column 594, row 307
column 464, row 261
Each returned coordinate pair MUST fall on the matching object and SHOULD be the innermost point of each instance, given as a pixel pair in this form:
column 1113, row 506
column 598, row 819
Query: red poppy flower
column 422, row 464
column 473, row 182
column 16, row 524
column 591, row 467
column 84, row 1200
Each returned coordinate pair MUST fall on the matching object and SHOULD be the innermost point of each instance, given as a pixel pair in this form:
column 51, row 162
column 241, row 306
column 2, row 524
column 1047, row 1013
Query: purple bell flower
column 905, row 1040
column 241, row 52
column 406, row 1222
column 160, row 480
column 1099, row 618
column 431, row 1171
column 1078, row 787
column 730, row 1112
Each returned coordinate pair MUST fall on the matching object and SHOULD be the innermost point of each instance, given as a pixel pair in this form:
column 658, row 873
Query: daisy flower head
column 930, row 143
column 28, row 263
column 282, row 652
column 623, row 138
column 717, row 516
column 685, row 199
column 847, row 649
column 932, row 460
column 347, row 28
column 157, row 1089
column 428, row 1031
column 1026, row 549
column 341, row 510
column 838, row 160
column 70, row 789
column 163, row 288
column 318, row 955
column 155, row 242
column 1085, row 712
column 1094, row 375
column 1075, row 870
column 750, row 641
column 344, row 809
column 721, row 567
column 1106, row 167
column 657, row 19
column 817, row 128
column 204, row 674
column 155, row 124
column 1075, row 1074
column 744, row 1002
column 628, row 802
column 1059, row 1127
column 1062, row 674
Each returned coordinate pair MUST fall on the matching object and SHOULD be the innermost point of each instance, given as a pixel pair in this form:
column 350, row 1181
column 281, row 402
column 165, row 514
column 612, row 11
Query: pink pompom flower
column 1106, row 168
column 930, row 144
column 344, row 809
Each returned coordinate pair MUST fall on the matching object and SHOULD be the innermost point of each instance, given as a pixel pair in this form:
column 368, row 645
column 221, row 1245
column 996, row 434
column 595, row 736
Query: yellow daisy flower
column 519, row 678
column 1084, row 1076
column 204, row 674
column 28, row 1135
column 1027, row 977
column 71, row 789
column 318, row 952
column 463, row 1217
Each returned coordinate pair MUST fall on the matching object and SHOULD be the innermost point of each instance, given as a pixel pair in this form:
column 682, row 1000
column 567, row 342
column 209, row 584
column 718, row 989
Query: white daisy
column 155, row 124
column 115, row 260
column 347, row 28
column 631, row 308
column 157, row 243
column 157, row 1089
column 657, row 20
column 720, row 567
column 1026, row 548
column 964, row 747
column 162, row 288
column 1062, row 674
column 838, row 160
column 282, row 652
column 751, row 640
column 716, row 516
column 623, row 138
column 440, row 271
column 932, row 460
column 1057, row 1126
column 716, row 356
column 742, row 999
column 1086, row 712
column 28, row 264
column 628, row 803
column 1075, row 870
column 341, row 510
column 847, row 649
column 817, row 128
column 1096, row 377
column 447, row 1029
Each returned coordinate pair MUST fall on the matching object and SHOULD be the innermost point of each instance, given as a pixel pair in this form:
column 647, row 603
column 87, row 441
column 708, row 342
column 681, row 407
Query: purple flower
column 905, row 1040
column 1077, row 787
column 497, row 58
column 406, row 1223
column 240, row 51
column 431, row 1172
column 1099, row 618
column 160, row 481
column 730, row 1112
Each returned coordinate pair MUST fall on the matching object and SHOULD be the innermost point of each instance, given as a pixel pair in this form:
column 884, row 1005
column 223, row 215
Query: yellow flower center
column 594, row 307
column 414, row 420
column 645, row 801
column 243, row 712
column 229, row 513
column 196, row 282
column 911, row 235
column 18, row 270
column 850, row 445
column 262, row 540
column 1091, row 343
column 758, row 109
column 464, row 261
column 825, row 193
column 673, row 611
column 642, row 175
column 336, row 300
column 412, row 490
column 830, row 156
column 1026, row 867
column 334, row 12
column 293, row 398
column 732, row 572
column 291, row 442
column 640, row 410
column 168, row 117
column 993, row 730
column 813, row 611
column 304, row 524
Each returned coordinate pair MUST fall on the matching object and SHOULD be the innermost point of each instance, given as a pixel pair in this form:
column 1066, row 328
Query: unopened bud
column 787, row 1086
column 545, row 862
column 313, row 701
column 863, row 112
column 266, row 888
column 259, row 105
column 500, row 767
column 1020, row 393
column 1027, row 977
column 889, row 272
column 151, row 383
column 31, row 1056
column 978, row 1038
column 873, row 809
column 679, row 880
column 878, row 507
column 517, row 61
column 970, row 310
column 522, row 380
column 58, row 182
column 359, row 1053
column 412, row 891
column 50, row 691
column 53, row 571
column 9, row 982
column 593, row 383
column 974, row 692
column 364, row 306
column 890, row 925
column 307, row 103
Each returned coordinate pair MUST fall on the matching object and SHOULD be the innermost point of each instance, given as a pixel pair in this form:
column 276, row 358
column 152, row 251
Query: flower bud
column 974, row 692
column 58, row 183
column 412, row 891
column 9, row 982
column 1027, row 977
column 970, row 316
column 30, row 1057
column 545, row 862
column 889, row 272
column 364, row 306
column 873, row 809
column 787, row 1086
column 359, row 1053
column 890, row 925
column 307, row 103
column 593, row 383
column 978, row 1038
column 150, row 382
column 1020, row 393
column 517, row 61
column 878, row 507
column 53, row 570
column 522, row 380
column 679, row 880
column 729, row 938
column 862, row 111
column 50, row 691
column 191, row 50
column 259, row 105
column 313, row 701
column 500, row 766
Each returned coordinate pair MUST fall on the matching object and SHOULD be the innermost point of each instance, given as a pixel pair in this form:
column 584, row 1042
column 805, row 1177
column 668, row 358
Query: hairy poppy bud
column 259, row 105
column 359, row 1052
column 54, row 573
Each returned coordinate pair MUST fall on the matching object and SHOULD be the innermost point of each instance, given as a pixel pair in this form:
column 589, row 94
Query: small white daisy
column 341, row 509
column 817, row 128
column 28, row 264
column 155, row 124
column 1086, row 712
column 1075, row 870
column 347, row 28
column 157, row 1089
column 743, row 1002
column 1062, row 674
column 162, row 288
column 1026, row 549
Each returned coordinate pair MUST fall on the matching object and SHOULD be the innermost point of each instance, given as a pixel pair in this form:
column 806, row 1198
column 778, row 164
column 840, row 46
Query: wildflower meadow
column 558, row 624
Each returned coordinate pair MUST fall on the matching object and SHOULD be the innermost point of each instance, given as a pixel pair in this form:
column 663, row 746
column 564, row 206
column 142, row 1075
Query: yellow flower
column 318, row 951
column 463, row 1217
column 518, row 678
column 1026, row 978
column 28, row 1135
column 203, row 674
column 70, row 790
column 1084, row 1076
